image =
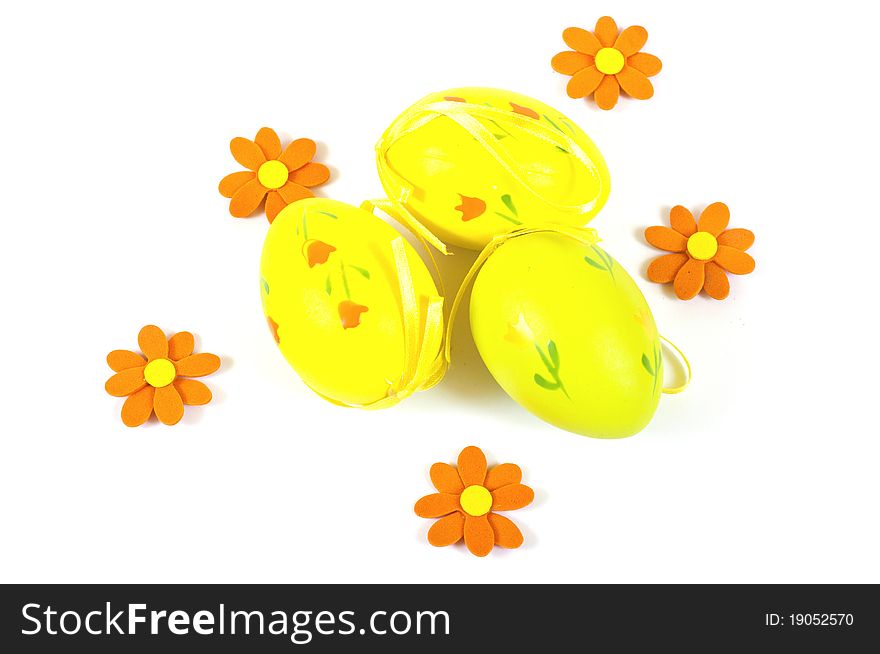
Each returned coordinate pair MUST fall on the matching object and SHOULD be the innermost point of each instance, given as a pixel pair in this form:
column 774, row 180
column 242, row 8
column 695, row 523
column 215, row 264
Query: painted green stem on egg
column 508, row 202
column 551, row 362
column 653, row 369
column 607, row 263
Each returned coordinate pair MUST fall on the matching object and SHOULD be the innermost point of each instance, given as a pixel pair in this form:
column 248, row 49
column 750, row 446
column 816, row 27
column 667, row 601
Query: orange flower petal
column 168, row 405
column 635, row 84
column 716, row 285
column 662, row 270
column 119, row 360
column 193, row 392
column 478, row 535
column 507, row 534
column 689, row 279
column 230, row 184
column 646, row 63
column 298, row 153
column 472, row 466
column 682, row 220
column 153, row 343
column 734, row 261
column 606, row 31
column 714, row 218
column 568, row 62
column 447, row 530
column 514, row 496
column 607, row 92
column 197, row 365
column 503, row 475
column 247, row 199
column 247, row 153
column 292, row 192
column 138, row 407
column 445, row 478
column 126, row 382
column 584, row 82
column 585, row 42
column 631, row 40
column 274, row 204
column 269, row 143
column 312, row 174
column 181, row 345
column 666, row 238
column 436, row 505
column 741, row 239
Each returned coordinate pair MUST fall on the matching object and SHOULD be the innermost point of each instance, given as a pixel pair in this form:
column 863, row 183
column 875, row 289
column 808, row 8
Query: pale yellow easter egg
column 566, row 332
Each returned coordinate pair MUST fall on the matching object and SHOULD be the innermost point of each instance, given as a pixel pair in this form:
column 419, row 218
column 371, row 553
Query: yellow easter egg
column 567, row 334
column 351, row 304
column 464, row 165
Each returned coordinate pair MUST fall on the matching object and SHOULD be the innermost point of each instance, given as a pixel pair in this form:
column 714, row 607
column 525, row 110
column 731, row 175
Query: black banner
column 422, row 618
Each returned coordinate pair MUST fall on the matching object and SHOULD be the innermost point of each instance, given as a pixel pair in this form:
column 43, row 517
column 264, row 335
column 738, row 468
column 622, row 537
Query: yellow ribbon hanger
column 674, row 390
column 391, row 209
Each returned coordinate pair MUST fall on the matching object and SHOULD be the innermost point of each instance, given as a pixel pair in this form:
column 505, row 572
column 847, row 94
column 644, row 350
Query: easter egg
column 464, row 165
column 350, row 304
column 567, row 334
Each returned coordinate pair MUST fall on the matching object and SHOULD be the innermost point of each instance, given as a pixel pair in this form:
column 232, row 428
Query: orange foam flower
column 157, row 380
column 280, row 177
column 702, row 252
column 603, row 62
column 467, row 501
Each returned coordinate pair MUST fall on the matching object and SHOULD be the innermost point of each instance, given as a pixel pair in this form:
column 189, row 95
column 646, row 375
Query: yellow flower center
column 702, row 246
column 159, row 373
column 273, row 174
column 476, row 500
column 610, row 61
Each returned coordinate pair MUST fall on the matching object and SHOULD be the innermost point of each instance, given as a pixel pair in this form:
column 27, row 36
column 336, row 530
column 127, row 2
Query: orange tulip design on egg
column 524, row 111
column 336, row 281
column 317, row 252
column 470, row 207
column 350, row 313
column 273, row 327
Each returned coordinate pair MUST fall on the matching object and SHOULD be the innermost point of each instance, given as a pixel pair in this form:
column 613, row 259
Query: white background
column 115, row 127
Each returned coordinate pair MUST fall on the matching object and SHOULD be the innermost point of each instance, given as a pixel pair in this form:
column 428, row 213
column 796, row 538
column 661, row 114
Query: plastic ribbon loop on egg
column 423, row 361
column 673, row 390
column 392, row 210
column 466, row 115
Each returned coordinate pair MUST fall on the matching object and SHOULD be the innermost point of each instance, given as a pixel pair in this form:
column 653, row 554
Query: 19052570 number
column 821, row 619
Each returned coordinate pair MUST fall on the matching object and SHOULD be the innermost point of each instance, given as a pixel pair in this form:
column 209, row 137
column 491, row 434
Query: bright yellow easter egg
column 351, row 304
column 567, row 334
column 467, row 164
